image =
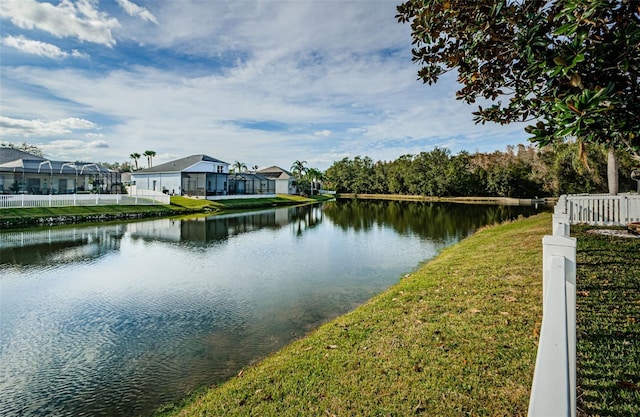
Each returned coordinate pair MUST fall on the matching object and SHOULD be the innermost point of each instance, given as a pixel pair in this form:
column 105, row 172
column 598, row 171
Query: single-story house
column 285, row 181
column 195, row 175
column 25, row 173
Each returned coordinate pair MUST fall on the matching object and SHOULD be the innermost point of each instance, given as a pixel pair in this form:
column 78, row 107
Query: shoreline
column 21, row 218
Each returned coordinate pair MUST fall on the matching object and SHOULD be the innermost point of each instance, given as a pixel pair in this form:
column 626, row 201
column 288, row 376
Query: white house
column 195, row 175
column 285, row 181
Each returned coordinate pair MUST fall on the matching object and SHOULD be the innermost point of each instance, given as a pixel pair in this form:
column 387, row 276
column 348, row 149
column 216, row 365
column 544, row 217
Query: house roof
column 179, row 165
column 248, row 175
column 10, row 154
column 275, row 172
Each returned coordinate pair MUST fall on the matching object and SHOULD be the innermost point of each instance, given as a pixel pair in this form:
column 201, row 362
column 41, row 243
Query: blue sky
column 260, row 82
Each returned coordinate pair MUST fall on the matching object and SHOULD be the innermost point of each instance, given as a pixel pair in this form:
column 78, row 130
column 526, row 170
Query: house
column 195, row 175
column 285, row 181
column 25, row 173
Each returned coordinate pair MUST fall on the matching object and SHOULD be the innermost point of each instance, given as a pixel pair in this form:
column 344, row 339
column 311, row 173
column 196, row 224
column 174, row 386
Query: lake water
column 117, row 319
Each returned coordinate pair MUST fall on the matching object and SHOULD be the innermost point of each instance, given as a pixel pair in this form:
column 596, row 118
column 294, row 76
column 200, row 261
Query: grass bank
column 608, row 324
column 47, row 216
column 456, row 337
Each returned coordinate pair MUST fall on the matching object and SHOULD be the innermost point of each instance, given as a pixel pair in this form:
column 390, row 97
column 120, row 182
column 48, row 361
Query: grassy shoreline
column 456, row 337
column 15, row 218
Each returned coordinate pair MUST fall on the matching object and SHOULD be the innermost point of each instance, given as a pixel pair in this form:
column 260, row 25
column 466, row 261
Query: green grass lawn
column 456, row 337
column 608, row 324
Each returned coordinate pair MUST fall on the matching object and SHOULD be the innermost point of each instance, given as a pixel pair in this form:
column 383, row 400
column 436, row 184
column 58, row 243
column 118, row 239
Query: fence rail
column 600, row 209
column 553, row 391
column 62, row 200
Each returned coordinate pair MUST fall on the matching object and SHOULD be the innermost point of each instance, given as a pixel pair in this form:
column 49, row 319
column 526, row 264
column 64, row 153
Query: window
column 220, row 169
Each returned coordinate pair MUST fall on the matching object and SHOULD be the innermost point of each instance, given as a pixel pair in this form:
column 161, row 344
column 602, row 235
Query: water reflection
column 115, row 320
column 435, row 221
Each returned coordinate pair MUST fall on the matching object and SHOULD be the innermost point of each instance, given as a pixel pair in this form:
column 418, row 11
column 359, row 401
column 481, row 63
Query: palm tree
column 239, row 167
column 315, row 176
column 149, row 155
column 135, row 156
column 255, row 168
column 299, row 170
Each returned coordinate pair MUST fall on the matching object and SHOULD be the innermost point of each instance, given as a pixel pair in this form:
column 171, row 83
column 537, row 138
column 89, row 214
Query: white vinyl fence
column 600, row 209
column 553, row 392
column 61, row 200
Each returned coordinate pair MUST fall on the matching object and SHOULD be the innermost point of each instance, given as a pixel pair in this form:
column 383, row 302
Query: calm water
column 115, row 320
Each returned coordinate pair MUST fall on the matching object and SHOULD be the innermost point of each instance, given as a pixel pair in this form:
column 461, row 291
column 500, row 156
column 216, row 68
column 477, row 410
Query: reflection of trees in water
column 305, row 218
column 437, row 221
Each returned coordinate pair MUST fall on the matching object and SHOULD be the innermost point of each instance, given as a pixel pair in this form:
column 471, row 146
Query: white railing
column 34, row 237
column 553, row 392
column 61, row 200
column 600, row 209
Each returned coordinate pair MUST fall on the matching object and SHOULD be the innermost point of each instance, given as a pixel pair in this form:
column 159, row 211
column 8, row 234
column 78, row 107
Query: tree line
column 519, row 171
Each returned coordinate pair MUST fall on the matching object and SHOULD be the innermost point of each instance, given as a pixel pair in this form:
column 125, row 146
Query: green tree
column 135, row 156
column 239, row 167
column 570, row 66
column 298, row 168
column 299, row 171
column 149, row 155
column 315, row 177
column 339, row 176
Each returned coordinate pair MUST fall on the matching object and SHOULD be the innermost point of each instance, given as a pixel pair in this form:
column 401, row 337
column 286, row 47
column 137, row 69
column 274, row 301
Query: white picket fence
column 600, row 209
column 553, row 392
column 61, row 200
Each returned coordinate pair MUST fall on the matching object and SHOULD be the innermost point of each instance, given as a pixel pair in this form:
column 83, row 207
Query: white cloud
column 133, row 9
column 305, row 70
column 10, row 127
column 75, row 150
column 324, row 133
column 68, row 19
column 39, row 48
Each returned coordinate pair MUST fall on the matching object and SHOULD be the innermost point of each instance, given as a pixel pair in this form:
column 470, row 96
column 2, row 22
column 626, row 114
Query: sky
column 260, row 82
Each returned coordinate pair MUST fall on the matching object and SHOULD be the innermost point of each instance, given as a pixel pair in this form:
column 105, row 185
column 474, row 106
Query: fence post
column 624, row 209
column 554, row 246
column 561, row 205
column 561, row 225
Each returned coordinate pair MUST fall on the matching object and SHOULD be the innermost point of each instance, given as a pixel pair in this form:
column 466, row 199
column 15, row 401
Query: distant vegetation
column 520, row 171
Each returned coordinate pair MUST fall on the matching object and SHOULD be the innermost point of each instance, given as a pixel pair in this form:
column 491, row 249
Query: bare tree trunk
column 612, row 171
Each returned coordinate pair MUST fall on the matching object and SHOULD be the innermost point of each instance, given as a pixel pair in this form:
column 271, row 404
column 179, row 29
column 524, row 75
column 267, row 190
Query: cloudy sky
column 260, row 82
